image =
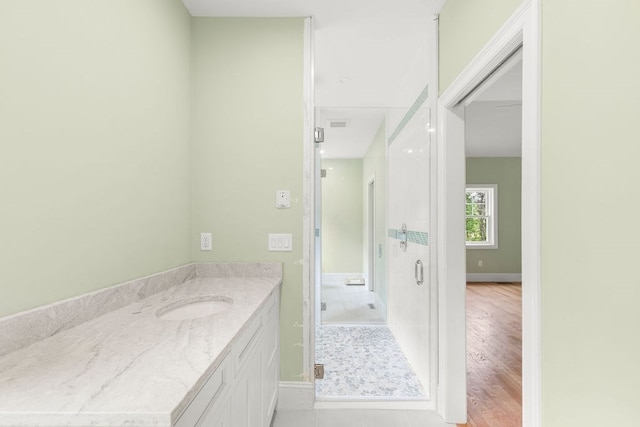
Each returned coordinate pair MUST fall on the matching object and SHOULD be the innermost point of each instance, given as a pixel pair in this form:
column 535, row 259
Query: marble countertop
column 127, row 367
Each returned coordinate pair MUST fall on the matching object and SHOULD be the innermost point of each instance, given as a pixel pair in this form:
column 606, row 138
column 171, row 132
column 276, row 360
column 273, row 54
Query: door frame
column 522, row 28
column 371, row 234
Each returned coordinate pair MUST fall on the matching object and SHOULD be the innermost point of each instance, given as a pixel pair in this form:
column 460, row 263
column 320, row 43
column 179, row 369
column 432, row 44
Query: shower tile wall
column 410, row 315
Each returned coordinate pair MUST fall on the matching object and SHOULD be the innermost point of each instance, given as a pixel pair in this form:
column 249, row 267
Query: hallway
column 494, row 354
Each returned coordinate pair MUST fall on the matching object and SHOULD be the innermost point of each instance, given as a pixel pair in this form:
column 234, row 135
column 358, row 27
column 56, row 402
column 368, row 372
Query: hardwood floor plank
column 494, row 354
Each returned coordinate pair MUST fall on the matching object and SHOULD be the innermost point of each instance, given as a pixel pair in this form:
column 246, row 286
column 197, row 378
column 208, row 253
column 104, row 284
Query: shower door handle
column 419, row 272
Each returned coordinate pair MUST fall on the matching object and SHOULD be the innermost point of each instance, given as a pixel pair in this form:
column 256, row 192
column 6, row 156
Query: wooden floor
column 494, row 354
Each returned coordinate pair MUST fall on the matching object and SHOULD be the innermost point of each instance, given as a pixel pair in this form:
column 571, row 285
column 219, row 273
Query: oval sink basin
column 194, row 308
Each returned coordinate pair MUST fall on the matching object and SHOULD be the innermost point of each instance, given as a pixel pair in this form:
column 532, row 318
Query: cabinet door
column 247, row 402
column 214, row 392
column 270, row 368
column 218, row 415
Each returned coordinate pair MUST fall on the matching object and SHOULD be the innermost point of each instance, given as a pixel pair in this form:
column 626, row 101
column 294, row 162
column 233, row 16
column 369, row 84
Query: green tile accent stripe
column 412, row 111
column 417, row 237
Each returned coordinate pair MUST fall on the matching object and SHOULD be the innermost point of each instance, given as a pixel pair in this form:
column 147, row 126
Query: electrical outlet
column 283, row 199
column 205, row 241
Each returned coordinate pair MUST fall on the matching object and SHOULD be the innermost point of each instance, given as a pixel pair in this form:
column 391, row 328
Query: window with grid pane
column 482, row 216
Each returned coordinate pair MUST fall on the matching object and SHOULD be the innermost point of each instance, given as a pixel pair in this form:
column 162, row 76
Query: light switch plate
column 280, row 242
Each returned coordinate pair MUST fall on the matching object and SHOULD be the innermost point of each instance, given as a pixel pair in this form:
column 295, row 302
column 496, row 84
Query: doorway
column 364, row 363
column 493, row 150
column 521, row 30
column 351, row 155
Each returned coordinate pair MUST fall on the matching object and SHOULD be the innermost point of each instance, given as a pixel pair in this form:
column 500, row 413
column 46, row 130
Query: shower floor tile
column 363, row 362
column 349, row 304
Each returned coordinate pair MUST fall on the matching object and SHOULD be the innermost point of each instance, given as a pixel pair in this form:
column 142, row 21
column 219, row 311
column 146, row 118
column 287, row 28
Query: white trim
column 494, row 277
column 451, row 268
column 370, row 219
column 295, row 396
column 521, row 28
column 308, row 216
column 504, row 42
column 512, row 62
column 432, row 103
column 377, row 404
column 531, row 224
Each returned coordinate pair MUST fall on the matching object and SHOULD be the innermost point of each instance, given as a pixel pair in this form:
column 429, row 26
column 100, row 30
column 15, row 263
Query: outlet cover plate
column 283, row 199
column 205, row 241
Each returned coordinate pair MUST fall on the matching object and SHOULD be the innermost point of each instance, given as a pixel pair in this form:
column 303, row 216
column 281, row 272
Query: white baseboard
column 424, row 405
column 295, row 395
column 494, row 277
column 338, row 278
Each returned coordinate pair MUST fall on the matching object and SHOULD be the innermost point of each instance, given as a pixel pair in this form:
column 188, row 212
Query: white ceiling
column 363, row 49
column 352, row 141
column 494, row 118
column 365, row 52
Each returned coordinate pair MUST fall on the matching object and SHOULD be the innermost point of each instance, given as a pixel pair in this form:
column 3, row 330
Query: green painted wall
column 246, row 144
column 590, row 278
column 507, row 173
column 94, row 145
column 590, row 174
column 465, row 26
column 342, row 220
column 374, row 164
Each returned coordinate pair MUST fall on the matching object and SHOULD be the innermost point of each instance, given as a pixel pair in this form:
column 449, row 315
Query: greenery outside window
column 482, row 216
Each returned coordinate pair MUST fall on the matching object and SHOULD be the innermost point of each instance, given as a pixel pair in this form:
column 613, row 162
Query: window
column 482, row 216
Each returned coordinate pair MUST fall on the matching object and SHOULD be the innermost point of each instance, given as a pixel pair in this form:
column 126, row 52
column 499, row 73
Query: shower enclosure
column 374, row 186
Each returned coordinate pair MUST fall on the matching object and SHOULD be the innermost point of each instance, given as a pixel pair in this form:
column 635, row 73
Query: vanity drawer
column 271, row 308
column 213, row 390
column 246, row 343
column 271, row 328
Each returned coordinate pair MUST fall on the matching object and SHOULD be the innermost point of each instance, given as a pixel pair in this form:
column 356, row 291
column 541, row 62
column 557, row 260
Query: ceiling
column 365, row 52
column 494, row 118
column 351, row 141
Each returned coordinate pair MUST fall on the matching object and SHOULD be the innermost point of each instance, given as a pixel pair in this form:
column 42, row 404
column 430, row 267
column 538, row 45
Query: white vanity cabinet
column 270, row 360
column 210, row 407
column 256, row 358
column 243, row 391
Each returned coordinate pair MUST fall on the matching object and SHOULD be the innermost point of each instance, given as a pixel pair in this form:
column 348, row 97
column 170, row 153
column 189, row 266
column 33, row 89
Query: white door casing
column 522, row 28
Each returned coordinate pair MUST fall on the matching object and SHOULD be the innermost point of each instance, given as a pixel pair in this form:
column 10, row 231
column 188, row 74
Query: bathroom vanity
column 200, row 352
column 243, row 389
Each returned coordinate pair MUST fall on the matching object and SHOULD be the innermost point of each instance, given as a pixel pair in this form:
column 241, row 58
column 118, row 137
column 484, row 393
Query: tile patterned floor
column 363, row 362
